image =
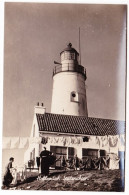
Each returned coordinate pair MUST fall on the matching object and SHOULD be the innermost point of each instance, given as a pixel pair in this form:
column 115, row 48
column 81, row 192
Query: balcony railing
column 70, row 68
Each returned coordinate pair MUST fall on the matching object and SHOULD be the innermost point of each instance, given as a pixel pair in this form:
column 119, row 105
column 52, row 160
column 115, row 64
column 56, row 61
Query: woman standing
column 8, row 176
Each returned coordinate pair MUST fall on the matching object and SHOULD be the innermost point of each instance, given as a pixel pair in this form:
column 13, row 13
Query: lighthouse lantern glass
column 68, row 56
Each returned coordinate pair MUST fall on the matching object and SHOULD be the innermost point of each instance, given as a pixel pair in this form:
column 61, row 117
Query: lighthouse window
column 74, row 96
column 69, row 56
column 72, row 56
column 62, row 56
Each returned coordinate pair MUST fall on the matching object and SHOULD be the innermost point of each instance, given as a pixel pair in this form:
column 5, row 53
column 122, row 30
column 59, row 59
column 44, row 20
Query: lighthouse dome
column 70, row 49
column 69, row 55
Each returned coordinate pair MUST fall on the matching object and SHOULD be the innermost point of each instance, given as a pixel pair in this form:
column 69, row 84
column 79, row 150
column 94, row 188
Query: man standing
column 44, row 155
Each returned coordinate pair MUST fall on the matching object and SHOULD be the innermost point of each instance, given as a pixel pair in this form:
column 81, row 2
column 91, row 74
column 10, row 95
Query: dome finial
column 69, row 45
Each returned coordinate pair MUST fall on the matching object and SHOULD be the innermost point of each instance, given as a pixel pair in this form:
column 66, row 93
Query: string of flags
column 19, row 142
column 101, row 141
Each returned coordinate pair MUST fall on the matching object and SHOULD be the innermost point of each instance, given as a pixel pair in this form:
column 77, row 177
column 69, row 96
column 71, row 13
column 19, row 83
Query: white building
column 67, row 130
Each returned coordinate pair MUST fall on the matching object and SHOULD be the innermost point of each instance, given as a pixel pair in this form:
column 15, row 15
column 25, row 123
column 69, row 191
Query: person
column 76, row 162
column 44, row 155
column 8, row 178
column 71, row 163
column 64, row 162
column 38, row 162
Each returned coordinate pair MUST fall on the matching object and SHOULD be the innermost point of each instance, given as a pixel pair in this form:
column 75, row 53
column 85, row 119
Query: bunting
column 113, row 141
column 35, row 140
column 14, row 142
column 23, row 142
column 68, row 141
column 104, row 141
column 6, row 142
column 64, row 141
column 97, row 140
column 122, row 142
column 44, row 140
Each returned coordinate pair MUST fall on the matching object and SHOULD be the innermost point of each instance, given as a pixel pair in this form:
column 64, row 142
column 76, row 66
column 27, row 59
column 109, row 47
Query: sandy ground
column 90, row 180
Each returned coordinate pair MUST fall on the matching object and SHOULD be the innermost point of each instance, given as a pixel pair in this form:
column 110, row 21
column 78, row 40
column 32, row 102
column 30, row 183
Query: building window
column 102, row 152
column 86, row 139
column 74, row 96
column 86, row 152
column 71, row 152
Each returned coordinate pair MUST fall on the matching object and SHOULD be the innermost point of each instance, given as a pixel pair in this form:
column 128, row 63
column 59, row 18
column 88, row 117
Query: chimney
column 39, row 109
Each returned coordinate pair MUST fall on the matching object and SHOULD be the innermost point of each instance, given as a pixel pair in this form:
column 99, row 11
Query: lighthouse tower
column 69, row 92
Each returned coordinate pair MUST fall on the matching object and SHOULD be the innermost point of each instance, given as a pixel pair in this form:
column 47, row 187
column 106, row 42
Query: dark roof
column 79, row 125
column 70, row 48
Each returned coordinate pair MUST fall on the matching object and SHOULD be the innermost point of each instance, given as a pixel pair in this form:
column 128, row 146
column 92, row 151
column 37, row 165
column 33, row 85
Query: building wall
column 33, row 150
column 113, row 145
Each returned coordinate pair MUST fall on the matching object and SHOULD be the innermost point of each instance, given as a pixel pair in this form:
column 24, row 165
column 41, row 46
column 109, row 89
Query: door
column 88, row 155
column 60, row 152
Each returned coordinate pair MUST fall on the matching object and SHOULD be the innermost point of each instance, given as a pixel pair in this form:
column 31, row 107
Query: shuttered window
column 89, row 152
column 102, row 153
column 70, row 152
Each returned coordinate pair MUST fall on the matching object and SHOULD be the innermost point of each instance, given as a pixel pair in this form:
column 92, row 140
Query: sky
column 34, row 36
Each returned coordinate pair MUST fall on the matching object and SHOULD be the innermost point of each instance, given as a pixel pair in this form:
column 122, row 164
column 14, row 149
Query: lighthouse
column 68, row 131
column 69, row 91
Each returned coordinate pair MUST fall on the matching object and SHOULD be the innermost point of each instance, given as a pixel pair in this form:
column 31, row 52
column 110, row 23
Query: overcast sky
column 36, row 33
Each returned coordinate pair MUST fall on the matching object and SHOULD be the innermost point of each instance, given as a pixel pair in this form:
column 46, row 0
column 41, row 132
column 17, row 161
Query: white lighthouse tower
column 69, row 92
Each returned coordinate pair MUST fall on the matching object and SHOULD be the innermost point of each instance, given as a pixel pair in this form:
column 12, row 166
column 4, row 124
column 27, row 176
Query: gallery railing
column 69, row 68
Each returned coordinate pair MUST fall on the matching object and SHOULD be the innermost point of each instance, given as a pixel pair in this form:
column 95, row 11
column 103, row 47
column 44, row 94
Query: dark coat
column 8, row 176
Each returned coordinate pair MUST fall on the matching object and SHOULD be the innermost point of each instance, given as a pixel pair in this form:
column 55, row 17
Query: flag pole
column 80, row 45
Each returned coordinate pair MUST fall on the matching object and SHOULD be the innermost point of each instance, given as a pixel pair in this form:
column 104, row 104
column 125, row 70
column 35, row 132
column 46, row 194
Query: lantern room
column 69, row 53
column 69, row 62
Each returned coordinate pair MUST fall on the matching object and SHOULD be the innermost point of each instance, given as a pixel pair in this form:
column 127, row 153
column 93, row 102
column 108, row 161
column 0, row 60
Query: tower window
column 74, row 96
column 62, row 56
column 69, row 56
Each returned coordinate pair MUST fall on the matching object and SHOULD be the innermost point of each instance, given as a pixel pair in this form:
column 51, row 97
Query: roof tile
column 79, row 125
